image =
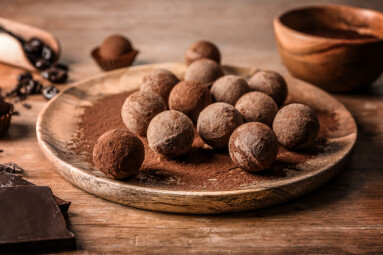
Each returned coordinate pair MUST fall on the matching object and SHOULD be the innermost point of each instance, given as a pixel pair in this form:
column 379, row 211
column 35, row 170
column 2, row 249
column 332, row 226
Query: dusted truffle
column 189, row 97
column 257, row 107
column 296, row 126
column 159, row 81
column 217, row 122
column 203, row 70
column 229, row 89
column 253, row 146
column 139, row 109
column 114, row 47
column 202, row 49
column 170, row 133
column 271, row 83
column 118, row 154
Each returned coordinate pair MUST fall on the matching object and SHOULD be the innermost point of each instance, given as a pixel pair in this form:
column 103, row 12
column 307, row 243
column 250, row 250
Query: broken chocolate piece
column 10, row 167
column 11, row 180
column 33, row 221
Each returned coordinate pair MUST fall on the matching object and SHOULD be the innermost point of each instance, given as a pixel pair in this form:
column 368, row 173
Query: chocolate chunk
column 33, row 223
column 10, row 167
column 50, row 91
column 11, row 180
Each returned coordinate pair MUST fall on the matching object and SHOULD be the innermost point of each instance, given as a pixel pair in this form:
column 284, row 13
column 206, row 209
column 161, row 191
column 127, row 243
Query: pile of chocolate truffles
column 228, row 112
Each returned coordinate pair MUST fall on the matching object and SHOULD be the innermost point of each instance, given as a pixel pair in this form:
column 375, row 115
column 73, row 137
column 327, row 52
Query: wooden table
column 345, row 216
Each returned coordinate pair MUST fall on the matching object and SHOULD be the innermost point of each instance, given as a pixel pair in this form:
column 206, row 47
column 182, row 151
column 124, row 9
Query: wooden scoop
column 11, row 49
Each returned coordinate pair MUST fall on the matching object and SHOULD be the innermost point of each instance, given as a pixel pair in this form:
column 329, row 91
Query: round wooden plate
column 58, row 121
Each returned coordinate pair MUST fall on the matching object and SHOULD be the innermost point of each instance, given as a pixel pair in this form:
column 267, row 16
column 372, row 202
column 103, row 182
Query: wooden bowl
column 11, row 49
column 338, row 48
column 57, row 124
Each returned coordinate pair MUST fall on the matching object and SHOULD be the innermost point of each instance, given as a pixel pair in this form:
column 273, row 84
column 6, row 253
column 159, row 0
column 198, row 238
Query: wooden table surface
column 344, row 216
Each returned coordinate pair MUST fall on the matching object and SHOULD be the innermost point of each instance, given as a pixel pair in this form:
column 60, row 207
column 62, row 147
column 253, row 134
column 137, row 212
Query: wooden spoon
column 11, row 49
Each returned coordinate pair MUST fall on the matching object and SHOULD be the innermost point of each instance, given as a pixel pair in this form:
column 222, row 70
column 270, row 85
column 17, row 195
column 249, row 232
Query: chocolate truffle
column 202, row 49
column 118, row 154
column 189, row 97
column 170, row 133
column 139, row 109
column 253, row 146
column 229, row 89
column 114, row 47
column 203, row 70
column 257, row 107
column 271, row 83
column 217, row 122
column 296, row 126
column 159, row 81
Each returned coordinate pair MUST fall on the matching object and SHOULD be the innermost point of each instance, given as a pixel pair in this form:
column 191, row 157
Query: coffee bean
column 42, row 64
column 28, row 47
column 48, row 54
column 24, row 76
column 36, row 42
column 27, row 106
column 50, row 91
column 33, row 87
column 61, row 66
column 55, row 75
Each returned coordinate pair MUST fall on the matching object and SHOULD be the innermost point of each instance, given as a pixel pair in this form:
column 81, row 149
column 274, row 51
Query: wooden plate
column 57, row 124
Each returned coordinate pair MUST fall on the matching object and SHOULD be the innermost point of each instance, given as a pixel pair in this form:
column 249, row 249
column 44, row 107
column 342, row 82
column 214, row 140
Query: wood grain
column 345, row 216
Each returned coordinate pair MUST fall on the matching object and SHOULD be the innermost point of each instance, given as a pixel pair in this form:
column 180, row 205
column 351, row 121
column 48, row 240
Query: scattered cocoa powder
column 202, row 168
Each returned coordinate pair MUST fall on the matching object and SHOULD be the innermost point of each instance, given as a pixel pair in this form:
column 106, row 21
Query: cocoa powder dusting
column 202, row 168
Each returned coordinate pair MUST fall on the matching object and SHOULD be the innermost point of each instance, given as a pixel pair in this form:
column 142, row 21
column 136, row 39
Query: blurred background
column 162, row 30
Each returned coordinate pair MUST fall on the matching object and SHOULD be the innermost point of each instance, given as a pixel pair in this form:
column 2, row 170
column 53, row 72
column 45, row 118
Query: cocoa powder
column 202, row 168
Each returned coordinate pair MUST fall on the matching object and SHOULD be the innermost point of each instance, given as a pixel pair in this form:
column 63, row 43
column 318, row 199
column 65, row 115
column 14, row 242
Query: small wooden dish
column 338, row 48
column 58, row 121
column 11, row 49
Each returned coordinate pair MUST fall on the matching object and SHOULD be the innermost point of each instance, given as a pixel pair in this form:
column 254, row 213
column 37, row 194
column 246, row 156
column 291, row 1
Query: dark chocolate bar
column 30, row 220
column 10, row 180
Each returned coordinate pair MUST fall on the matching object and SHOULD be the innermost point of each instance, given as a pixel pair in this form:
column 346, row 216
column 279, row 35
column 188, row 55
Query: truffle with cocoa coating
column 296, row 126
column 139, row 109
column 229, row 89
column 217, row 122
column 271, row 83
column 202, row 49
column 114, row 46
column 204, row 70
column 257, row 107
column 118, row 154
column 189, row 97
column 159, row 81
column 253, row 146
column 170, row 133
